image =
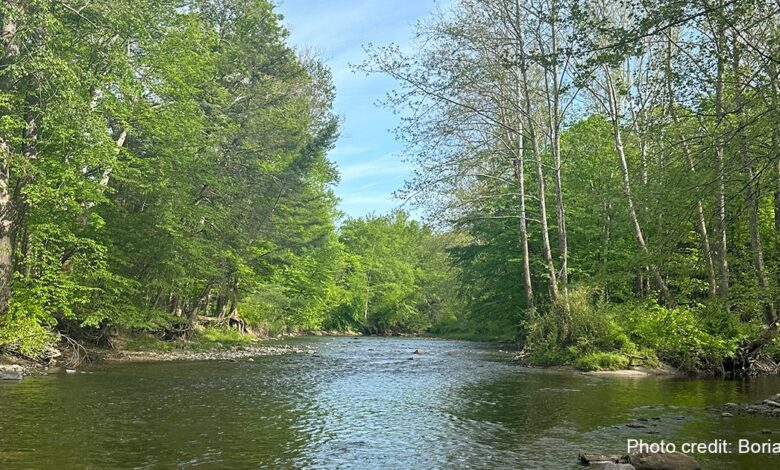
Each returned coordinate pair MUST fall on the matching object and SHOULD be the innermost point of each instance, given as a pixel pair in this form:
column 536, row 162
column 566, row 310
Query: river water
column 363, row 403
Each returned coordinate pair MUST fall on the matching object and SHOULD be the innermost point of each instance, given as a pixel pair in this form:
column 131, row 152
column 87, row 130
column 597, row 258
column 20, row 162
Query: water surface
column 362, row 403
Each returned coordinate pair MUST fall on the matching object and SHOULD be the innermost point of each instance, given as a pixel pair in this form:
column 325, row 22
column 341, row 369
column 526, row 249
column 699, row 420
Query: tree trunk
column 555, row 147
column 176, row 309
column 233, row 318
column 221, row 307
column 723, row 264
column 516, row 147
column 540, row 182
column 199, row 303
column 11, row 52
column 6, row 230
column 519, row 164
column 637, row 228
column 607, row 232
column 752, row 187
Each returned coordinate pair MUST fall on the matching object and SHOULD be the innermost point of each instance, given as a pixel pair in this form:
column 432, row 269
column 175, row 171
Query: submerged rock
column 11, row 372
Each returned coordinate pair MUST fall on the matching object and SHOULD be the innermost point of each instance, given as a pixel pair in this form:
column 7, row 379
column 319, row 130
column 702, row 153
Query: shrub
column 26, row 329
column 572, row 330
column 678, row 336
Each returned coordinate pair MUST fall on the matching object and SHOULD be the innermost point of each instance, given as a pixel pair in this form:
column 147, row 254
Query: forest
column 612, row 168
column 600, row 180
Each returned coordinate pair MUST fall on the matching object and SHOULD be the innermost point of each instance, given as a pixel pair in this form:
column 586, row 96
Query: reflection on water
column 361, row 403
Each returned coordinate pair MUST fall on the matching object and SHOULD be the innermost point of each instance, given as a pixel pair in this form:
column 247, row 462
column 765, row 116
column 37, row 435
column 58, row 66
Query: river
column 363, row 403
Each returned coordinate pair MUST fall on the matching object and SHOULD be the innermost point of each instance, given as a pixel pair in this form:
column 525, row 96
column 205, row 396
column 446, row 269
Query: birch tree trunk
column 519, row 164
column 10, row 52
column 555, row 137
column 532, row 132
column 723, row 264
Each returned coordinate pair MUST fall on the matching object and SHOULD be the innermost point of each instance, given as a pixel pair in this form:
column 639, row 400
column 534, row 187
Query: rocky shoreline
column 17, row 369
column 768, row 407
column 245, row 352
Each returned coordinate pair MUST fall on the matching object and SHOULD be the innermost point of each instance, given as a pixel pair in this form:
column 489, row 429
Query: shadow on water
column 361, row 403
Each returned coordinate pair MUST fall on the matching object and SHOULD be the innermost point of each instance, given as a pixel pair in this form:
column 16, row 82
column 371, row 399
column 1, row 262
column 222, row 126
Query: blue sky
column 367, row 155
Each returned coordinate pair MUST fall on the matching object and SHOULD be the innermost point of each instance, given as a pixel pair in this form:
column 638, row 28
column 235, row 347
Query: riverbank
column 15, row 368
column 211, row 343
column 231, row 354
column 206, row 344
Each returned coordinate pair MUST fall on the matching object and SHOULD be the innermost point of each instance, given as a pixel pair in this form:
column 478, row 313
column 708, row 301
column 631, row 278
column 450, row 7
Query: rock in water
column 591, row 459
column 11, row 372
column 419, row 351
column 668, row 461
column 612, row 466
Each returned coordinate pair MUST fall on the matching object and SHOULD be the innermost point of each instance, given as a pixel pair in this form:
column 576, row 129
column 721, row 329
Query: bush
column 602, row 361
column 678, row 336
column 27, row 330
column 573, row 330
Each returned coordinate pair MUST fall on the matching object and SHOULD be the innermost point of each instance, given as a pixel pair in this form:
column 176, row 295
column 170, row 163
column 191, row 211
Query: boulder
column 592, row 459
column 659, row 461
column 11, row 372
column 612, row 466
column 419, row 351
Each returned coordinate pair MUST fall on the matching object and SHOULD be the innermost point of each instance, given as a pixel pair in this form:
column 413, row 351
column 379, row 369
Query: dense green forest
column 164, row 161
column 601, row 179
